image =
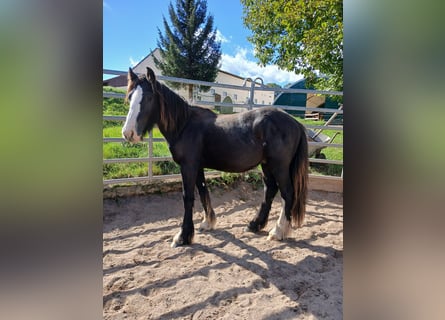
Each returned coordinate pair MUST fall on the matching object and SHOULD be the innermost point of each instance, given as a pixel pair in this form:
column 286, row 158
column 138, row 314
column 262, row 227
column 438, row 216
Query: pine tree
column 189, row 48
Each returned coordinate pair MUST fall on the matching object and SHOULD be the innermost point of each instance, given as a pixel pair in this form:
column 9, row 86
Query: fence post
column 252, row 91
column 251, row 94
column 150, row 156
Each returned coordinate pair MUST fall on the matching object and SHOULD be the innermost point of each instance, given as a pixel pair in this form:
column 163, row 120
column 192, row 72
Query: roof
column 300, row 84
column 121, row 81
column 304, row 99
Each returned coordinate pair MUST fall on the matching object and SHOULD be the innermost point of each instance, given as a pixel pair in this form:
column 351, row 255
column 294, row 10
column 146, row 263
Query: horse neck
column 173, row 114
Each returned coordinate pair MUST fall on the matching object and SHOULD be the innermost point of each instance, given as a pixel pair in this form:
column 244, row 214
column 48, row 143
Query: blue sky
column 130, row 33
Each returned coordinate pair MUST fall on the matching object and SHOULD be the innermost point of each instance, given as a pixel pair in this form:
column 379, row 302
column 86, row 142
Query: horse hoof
column 252, row 227
column 177, row 240
column 276, row 234
column 271, row 237
column 180, row 240
column 206, row 226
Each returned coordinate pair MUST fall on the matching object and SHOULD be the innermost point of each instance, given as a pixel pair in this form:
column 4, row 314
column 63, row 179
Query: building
column 307, row 100
column 215, row 94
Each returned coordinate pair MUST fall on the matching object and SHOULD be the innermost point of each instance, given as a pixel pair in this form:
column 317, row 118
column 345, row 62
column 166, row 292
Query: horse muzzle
column 131, row 136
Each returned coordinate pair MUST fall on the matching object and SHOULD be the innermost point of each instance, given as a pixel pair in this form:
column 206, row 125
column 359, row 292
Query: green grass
column 113, row 150
column 112, row 132
column 329, row 152
column 124, row 170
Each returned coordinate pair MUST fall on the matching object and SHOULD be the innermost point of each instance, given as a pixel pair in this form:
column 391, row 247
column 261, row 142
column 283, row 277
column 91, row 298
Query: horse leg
column 270, row 190
column 209, row 221
column 185, row 235
column 282, row 227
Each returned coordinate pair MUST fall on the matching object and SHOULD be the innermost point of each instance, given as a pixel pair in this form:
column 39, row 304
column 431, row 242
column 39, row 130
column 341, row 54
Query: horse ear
column 131, row 75
column 151, row 75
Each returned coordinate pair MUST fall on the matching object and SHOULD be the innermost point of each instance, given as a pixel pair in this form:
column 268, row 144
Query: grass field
column 329, row 152
column 113, row 150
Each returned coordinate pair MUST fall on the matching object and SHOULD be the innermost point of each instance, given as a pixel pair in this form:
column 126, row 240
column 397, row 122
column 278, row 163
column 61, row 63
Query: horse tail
column 299, row 175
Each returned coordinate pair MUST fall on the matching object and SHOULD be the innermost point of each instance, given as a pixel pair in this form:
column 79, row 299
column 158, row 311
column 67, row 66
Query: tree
column 273, row 85
column 189, row 48
column 301, row 36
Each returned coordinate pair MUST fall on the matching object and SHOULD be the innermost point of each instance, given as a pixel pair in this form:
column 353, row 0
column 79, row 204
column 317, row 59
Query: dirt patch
column 227, row 273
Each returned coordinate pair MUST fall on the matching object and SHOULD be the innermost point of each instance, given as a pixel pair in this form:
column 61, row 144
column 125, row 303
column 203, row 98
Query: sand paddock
column 227, row 273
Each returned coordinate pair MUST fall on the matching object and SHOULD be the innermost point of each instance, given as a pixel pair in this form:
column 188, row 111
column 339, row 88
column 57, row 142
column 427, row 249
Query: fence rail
column 151, row 159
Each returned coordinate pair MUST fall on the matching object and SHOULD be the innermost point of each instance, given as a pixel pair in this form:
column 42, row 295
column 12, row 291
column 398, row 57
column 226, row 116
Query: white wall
column 236, row 96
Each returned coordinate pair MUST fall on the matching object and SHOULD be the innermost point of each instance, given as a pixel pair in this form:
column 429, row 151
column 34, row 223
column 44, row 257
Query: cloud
column 220, row 37
column 240, row 65
column 134, row 62
column 106, row 5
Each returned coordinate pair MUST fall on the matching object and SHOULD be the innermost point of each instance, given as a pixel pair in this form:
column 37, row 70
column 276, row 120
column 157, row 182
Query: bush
column 168, row 167
column 124, row 170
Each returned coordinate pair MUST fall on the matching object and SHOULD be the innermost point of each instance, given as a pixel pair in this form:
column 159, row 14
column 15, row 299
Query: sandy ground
column 227, row 273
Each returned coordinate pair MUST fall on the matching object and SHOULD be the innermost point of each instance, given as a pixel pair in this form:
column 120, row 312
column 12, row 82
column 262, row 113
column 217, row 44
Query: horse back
column 236, row 142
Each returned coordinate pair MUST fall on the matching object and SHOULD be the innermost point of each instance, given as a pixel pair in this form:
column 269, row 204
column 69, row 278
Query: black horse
column 198, row 138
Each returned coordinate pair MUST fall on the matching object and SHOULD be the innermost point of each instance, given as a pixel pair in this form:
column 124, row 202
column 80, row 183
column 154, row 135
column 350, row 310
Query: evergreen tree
column 188, row 47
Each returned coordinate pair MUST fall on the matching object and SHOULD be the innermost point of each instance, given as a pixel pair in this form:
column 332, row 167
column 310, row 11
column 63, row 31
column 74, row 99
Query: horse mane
column 174, row 111
column 131, row 85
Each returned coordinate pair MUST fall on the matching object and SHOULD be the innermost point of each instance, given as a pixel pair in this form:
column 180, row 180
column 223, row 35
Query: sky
column 130, row 32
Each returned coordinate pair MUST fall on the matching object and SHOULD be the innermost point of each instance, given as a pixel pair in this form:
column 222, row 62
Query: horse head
column 143, row 99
